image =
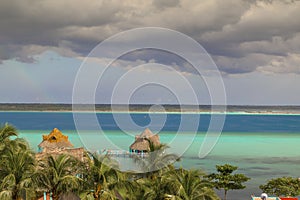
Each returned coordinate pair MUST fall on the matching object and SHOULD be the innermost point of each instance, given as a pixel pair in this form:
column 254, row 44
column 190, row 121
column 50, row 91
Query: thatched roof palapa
column 56, row 144
column 55, row 140
column 141, row 142
column 78, row 153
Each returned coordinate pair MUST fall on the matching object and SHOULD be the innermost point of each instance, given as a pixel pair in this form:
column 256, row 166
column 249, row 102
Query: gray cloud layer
column 242, row 36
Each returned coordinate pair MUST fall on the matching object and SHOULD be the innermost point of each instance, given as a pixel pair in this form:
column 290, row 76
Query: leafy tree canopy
column 284, row 186
column 224, row 179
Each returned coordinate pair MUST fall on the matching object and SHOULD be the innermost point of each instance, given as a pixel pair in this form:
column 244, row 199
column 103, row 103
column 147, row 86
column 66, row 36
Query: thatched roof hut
column 56, row 143
column 55, row 140
column 141, row 143
column 78, row 153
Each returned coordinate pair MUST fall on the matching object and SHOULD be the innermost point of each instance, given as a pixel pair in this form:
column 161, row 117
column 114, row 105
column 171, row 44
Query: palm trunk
column 15, row 195
column 55, row 195
column 97, row 192
column 225, row 194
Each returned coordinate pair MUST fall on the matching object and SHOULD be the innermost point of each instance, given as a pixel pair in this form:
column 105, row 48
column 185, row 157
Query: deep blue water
column 233, row 122
column 259, row 156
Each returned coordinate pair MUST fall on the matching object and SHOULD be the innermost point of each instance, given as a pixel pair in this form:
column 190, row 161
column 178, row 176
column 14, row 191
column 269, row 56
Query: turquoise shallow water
column 263, row 146
column 261, row 156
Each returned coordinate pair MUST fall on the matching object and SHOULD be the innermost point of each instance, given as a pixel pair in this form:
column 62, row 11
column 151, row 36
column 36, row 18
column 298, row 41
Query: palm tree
column 154, row 166
column 127, row 188
column 153, row 188
column 103, row 177
column 16, row 168
column 17, row 163
column 189, row 185
column 58, row 175
column 156, row 159
column 8, row 131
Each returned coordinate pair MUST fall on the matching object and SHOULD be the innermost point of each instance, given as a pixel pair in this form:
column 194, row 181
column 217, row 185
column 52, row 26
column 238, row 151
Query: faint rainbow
column 31, row 84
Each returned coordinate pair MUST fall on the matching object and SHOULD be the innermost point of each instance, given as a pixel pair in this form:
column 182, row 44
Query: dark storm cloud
column 268, row 32
column 242, row 36
column 51, row 23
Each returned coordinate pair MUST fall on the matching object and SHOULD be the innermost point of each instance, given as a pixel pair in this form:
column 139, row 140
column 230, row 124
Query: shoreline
column 159, row 112
column 151, row 109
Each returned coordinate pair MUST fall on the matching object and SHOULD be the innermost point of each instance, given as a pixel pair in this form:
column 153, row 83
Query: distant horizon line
column 149, row 104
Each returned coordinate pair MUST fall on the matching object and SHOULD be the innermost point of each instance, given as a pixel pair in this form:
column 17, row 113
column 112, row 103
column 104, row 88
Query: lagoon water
column 262, row 146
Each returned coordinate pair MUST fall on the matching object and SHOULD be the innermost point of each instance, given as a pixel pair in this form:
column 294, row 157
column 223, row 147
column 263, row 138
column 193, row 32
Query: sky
column 255, row 45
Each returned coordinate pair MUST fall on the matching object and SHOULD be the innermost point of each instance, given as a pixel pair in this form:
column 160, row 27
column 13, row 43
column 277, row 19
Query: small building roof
column 147, row 133
column 55, row 140
column 78, row 153
column 141, row 142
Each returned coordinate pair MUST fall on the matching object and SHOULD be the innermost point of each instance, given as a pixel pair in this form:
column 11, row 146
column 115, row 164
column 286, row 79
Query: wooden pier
column 122, row 153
